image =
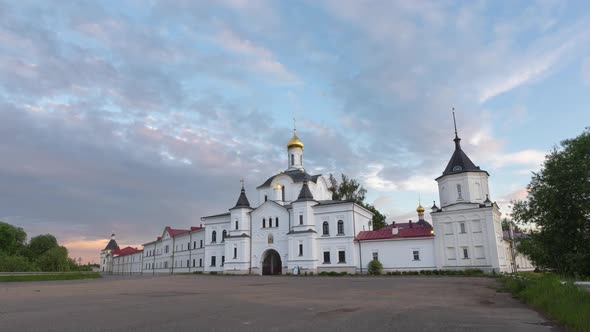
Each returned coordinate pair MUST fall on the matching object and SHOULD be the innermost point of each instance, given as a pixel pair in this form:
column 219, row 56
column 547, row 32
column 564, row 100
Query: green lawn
column 44, row 277
column 566, row 303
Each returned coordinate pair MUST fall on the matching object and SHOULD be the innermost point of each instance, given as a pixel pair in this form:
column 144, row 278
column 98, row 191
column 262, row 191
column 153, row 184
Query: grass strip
column 45, row 277
column 565, row 303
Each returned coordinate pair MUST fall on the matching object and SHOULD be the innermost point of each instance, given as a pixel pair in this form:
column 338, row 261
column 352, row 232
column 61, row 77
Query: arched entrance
column 271, row 263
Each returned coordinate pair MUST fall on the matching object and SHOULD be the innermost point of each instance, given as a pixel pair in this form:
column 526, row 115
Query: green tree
column 351, row 189
column 558, row 205
column 347, row 189
column 16, row 264
column 54, row 260
column 12, row 239
column 41, row 243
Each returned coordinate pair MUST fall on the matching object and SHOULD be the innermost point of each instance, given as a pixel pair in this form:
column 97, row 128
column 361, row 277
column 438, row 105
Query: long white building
column 295, row 225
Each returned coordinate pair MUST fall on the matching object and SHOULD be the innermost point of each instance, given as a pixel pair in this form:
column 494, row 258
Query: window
column 193, row 262
column 300, row 249
column 213, row 236
column 222, row 260
column 340, row 227
column 462, row 226
column 223, row 235
column 235, row 253
column 375, row 256
column 277, row 222
column 341, row 256
column 166, row 249
column 283, row 193
column 236, row 224
column 300, row 159
column 459, row 195
column 201, row 244
column 465, row 253
column 263, row 222
column 416, row 254
column 213, row 260
column 269, row 222
column 292, row 159
column 200, row 262
column 194, row 244
column 300, row 219
column 265, row 198
column 271, row 239
column 326, row 257
column 325, row 228
column 165, row 265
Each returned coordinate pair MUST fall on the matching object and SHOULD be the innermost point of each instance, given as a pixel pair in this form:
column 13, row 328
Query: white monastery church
column 295, row 226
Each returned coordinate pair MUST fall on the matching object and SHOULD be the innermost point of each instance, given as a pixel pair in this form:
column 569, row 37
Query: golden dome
column 277, row 186
column 295, row 142
column 420, row 209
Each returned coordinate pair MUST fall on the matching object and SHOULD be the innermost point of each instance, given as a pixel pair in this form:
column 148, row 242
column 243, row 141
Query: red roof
column 175, row 232
column 403, row 233
column 126, row 251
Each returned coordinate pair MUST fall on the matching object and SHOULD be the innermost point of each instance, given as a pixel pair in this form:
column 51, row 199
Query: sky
column 127, row 116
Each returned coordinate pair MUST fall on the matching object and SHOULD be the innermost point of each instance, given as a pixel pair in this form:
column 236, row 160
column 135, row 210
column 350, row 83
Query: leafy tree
column 378, row 220
column 16, row 264
column 55, row 260
column 41, row 243
column 347, row 189
column 12, row 239
column 506, row 225
column 374, row 267
column 558, row 205
column 351, row 189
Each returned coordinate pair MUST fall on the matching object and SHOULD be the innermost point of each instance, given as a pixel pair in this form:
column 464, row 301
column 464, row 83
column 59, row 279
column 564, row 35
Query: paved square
column 248, row 303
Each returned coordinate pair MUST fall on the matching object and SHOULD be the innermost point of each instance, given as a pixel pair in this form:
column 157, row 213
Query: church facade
column 295, row 226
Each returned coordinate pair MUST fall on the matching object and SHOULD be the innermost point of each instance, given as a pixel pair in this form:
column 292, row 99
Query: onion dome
column 420, row 209
column 295, row 142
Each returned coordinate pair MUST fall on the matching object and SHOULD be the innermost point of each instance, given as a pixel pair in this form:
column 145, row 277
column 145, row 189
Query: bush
column 16, row 264
column 374, row 267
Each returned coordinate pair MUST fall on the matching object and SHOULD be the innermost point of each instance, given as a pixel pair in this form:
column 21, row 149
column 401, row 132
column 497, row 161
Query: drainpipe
column 172, row 263
column 154, row 263
column 354, row 233
column 250, row 260
column 190, row 251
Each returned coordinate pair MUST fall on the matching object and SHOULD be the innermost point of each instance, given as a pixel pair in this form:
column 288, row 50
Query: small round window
column 457, row 168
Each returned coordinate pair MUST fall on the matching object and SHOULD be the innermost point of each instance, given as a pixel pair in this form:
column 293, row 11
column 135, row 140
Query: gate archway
column 272, row 263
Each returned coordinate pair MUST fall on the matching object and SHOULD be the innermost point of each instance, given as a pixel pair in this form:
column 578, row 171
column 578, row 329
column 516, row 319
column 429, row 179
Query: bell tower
column 295, row 151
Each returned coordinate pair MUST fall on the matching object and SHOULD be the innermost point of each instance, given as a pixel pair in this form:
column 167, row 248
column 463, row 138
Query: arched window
column 236, row 225
column 283, row 193
column 269, row 222
column 459, row 194
column 271, row 239
column 300, row 219
column 223, row 235
column 292, row 159
column 263, row 223
column 265, row 198
column 325, row 228
column 301, row 159
column 277, row 222
column 340, row 227
column 214, row 236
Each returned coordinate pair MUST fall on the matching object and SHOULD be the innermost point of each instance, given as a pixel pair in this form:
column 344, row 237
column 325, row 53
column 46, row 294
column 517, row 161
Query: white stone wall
column 474, row 188
column 398, row 254
column 128, row 264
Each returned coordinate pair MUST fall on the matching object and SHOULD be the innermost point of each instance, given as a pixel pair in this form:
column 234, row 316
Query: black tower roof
column 112, row 245
column 305, row 194
column 459, row 162
column 242, row 200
